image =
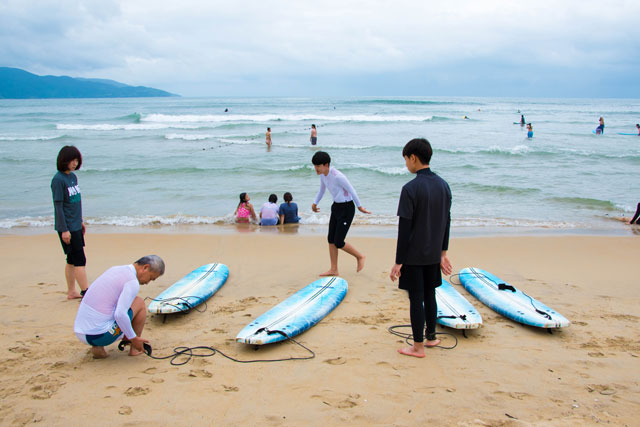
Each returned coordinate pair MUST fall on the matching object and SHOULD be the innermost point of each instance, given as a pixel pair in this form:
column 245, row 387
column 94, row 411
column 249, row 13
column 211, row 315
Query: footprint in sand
column 137, row 391
column 338, row 401
column 603, row 389
column 336, row 361
column 230, row 388
column 595, row 354
column 43, row 387
column 200, row 373
column 125, row 410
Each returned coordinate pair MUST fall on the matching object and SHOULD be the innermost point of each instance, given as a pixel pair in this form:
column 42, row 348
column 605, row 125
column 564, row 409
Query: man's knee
column 138, row 305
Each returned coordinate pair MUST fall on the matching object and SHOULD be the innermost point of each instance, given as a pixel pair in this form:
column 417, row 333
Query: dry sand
column 502, row 374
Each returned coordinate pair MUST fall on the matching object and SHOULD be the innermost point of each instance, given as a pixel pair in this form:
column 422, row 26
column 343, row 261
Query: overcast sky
column 559, row 48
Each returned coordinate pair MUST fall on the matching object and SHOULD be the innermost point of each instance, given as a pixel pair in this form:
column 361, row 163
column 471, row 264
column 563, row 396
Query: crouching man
column 111, row 307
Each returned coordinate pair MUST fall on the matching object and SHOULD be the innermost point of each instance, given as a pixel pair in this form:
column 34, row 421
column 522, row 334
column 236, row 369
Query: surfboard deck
column 454, row 310
column 509, row 301
column 297, row 313
column 192, row 290
column 624, row 133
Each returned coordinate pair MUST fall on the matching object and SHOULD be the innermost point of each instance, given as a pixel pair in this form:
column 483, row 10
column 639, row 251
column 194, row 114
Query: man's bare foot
column 329, row 273
column 411, row 351
column 361, row 263
column 432, row 343
column 74, row 295
column 134, row 352
column 99, row 352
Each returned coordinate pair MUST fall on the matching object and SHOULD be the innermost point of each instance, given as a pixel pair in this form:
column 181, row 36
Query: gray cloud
column 209, row 47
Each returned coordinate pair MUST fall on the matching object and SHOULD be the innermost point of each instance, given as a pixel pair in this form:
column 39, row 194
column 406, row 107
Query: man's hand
column 395, row 272
column 445, row 264
column 66, row 237
column 138, row 344
column 315, row 208
column 363, row 210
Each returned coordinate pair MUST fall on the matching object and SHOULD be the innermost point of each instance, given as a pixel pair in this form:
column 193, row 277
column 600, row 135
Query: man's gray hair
column 155, row 263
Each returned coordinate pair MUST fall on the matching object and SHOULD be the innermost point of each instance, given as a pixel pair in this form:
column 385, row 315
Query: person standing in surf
column 600, row 128
column 345, row 199
column 424, row 212
column 67, row 205
column 314, row 135
column 268, row 137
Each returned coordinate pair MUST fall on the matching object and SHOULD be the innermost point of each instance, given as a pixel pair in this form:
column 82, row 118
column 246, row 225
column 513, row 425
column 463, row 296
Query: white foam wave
column 130, row 126
column 264, row 118
column 308, row 218
column 188, row 137
column 28, row 138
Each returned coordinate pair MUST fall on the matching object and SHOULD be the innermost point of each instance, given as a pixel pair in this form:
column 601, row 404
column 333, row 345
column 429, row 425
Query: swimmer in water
column 529, row 131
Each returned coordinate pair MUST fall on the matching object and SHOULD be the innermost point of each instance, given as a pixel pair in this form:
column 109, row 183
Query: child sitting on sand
column 288, row 211
column 269, row 212
column 244, row 209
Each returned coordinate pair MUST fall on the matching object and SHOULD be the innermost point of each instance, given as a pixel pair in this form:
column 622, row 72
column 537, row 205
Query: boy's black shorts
column 75, row 249
column 340, row 221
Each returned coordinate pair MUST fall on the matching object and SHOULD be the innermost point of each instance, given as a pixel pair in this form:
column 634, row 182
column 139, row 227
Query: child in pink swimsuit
column 244, row 209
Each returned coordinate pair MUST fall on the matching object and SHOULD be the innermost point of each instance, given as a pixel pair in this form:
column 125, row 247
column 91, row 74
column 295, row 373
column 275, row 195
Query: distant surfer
column 112, row 308
column 226, row 110
column 268, row 137
column 638, row 127
column 529, row 131
column 424, row 212
column 314, row 135
column 522, row 120
column 600, row 128
column 67, row 204
column 345, row 199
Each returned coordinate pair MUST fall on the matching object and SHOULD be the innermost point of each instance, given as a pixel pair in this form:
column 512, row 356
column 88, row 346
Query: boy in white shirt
column 342, row 210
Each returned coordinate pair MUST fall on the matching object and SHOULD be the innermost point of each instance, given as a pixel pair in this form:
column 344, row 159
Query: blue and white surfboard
column 454, row 311
column 509, row 301
column 192, row 290
column 297, row 313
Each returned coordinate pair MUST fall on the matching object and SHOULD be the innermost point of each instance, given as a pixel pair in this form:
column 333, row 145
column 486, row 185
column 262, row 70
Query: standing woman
column 67, row 205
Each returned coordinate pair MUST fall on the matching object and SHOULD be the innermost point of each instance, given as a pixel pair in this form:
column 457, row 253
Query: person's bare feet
column 412, row 351
column 134, row 352
column 329, row 273
column 432, row 343
column 361, row 263
column 74, row 295
column 99, row 352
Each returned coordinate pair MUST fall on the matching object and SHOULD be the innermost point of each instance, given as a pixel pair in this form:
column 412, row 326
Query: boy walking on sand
column 342, row 210
column 423, row 240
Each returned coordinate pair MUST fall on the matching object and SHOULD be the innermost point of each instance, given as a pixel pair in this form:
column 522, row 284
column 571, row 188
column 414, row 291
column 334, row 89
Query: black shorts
column 420, row 276
column 340, row 221
column 75, row 249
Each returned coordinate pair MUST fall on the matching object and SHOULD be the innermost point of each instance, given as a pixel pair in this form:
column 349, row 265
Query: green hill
column 19, row 84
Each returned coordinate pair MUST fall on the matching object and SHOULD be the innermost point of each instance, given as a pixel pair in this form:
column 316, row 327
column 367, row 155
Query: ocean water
column 171, row 161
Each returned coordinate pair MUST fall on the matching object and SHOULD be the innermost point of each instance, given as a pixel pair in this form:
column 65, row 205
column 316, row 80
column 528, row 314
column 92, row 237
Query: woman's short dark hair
column 273, row 198
column 421, row 148
column 287, row 197
column 321, row 158
column 66, row 155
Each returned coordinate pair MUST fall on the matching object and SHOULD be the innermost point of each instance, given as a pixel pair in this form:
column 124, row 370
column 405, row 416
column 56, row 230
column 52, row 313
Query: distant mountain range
column 19, row 84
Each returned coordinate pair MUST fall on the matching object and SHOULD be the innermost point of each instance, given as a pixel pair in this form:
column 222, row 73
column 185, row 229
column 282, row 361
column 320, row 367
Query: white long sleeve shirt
column 339, row 186
column 108, row 298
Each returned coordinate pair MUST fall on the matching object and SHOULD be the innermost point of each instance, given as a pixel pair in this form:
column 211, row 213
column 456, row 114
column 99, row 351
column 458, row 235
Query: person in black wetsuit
column 423, row 240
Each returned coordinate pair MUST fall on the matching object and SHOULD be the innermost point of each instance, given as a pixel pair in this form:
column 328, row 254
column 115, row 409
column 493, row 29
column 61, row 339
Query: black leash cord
column 190, row 352
column 407, row 337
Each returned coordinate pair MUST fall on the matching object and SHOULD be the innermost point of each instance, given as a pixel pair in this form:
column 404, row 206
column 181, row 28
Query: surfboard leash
column 208, row 351
column 181, row 300
column 392, row 330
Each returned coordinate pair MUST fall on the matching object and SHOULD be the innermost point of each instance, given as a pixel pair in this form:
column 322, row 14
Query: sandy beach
column 503, row 374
